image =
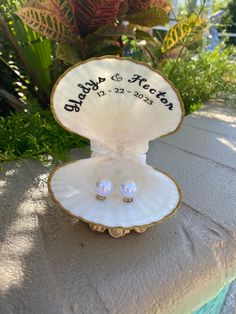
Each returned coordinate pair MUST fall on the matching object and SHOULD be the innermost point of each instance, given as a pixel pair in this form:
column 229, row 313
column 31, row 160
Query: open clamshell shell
column 120, row 105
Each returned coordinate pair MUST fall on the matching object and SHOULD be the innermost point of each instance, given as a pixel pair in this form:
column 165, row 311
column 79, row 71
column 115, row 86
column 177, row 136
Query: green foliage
column 102, row 27
column 31, row 62
column 96, row 32
column 142, row 35
column 140, row 5
column 11, row 78
column 186, row 27
column 199, row 77
column 99, row 25
column 35, row 134
column 149, row 17
column 115, row 31
column 65, row 52
column 38, row 53
column 231, row 18
column 26, row 54
column 47, row 23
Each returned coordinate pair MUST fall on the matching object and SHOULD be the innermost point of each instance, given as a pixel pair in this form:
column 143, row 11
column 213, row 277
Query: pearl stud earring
column 128, row 190
column 103, row 189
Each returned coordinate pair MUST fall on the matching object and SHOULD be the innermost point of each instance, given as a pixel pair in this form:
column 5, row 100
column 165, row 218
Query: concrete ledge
column 49, row 264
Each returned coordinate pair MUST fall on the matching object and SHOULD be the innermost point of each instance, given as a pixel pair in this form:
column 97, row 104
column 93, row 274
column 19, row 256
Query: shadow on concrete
column 23, row 267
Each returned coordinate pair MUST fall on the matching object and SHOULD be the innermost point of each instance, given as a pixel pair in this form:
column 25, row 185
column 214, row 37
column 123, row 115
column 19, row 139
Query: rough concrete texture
column 50, row 264
column 229, row 306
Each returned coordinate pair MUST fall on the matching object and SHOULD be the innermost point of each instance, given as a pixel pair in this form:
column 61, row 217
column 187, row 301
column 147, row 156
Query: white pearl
column 104, row 187
column 128, row 189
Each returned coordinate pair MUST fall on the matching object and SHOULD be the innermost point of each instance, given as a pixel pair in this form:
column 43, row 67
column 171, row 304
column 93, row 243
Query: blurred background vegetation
column 40, row 39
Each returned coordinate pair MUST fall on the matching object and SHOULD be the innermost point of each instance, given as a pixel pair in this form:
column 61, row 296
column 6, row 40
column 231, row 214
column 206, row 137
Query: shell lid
column 117, row 102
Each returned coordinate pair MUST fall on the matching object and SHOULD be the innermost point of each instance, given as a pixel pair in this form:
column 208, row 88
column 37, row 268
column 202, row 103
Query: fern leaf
column 46, row 23
column 180, row 31
column 149, row 17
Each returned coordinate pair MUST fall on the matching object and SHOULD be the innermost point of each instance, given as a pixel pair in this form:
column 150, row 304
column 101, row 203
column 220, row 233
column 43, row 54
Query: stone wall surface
column 50, row 263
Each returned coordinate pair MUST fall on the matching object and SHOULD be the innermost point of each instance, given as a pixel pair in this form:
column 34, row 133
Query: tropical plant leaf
column 142, row 35
column 108, row 50
column 106, row 34
column 46, row 23
column 99, row 46
column 67, row 53
column 173, row 53
column 68, row 12
column 188, row 27
column 140, row 5
column 153, row 51
column 93, row 14
column 123, row 9
column 64, row 9
column 149, row 17
column 116, row 31
column 47, row 4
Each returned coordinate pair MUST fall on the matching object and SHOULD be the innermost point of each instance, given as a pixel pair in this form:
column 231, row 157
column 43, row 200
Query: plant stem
column 146, row 49
column 185, row 39
column 121, row 46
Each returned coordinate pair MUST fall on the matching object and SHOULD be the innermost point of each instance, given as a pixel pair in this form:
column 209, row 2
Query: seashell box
column 120, row 105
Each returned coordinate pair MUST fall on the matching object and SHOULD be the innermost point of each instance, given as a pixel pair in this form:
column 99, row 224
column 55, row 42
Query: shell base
column 116, row 232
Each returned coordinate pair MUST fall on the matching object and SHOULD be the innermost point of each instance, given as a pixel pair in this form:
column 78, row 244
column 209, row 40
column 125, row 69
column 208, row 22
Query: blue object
column 214, row 34
column 214, row 306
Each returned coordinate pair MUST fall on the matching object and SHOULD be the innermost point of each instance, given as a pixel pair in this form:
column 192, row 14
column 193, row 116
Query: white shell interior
column 116, row 104
column 74, row 187
column 117, row 118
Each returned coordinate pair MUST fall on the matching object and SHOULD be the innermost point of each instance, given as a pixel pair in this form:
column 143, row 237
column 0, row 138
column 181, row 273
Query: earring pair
column 104, row 188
